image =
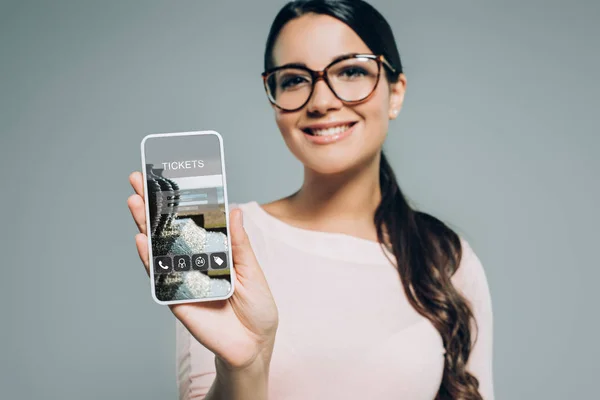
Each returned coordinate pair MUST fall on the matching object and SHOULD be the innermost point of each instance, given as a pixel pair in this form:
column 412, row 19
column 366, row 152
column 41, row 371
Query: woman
column 374, row 300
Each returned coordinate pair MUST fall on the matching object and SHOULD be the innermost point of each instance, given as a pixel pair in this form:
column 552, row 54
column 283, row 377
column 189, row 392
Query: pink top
column 346, row 329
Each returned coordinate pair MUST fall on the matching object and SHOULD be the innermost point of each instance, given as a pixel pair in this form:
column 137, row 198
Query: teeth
column 330, row 131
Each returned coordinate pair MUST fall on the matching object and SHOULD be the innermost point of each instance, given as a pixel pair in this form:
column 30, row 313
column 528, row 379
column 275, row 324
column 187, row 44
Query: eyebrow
column 303, row 65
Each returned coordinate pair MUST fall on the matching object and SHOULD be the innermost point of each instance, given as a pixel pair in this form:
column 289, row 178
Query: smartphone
column 187, row 217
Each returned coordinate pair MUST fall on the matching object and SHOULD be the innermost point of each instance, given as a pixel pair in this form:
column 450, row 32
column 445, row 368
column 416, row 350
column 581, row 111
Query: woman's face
column 315, row 40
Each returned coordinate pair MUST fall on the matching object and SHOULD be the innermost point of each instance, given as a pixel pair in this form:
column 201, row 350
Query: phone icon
column 163, row 264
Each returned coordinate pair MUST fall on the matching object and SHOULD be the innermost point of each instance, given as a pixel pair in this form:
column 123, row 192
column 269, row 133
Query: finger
column 141, row 242
column 137, row 182
column 138, row 211
column 244, row 259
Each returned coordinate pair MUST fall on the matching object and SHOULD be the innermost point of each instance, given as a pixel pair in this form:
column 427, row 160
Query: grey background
column 498, row 137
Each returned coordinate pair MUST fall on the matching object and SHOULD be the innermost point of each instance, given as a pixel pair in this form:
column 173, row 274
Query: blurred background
column 498, row 137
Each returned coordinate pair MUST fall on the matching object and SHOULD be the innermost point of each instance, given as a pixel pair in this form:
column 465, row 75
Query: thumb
column 241, row 249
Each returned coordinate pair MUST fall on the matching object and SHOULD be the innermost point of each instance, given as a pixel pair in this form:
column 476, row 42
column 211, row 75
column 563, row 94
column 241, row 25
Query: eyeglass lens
column 351, row 80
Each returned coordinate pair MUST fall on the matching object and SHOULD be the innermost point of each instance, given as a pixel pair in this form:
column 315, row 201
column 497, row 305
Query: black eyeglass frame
column 322, row 74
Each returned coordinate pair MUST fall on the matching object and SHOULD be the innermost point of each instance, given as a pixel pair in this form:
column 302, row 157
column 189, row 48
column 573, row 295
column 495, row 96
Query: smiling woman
column 366, row 297
column 340, row 74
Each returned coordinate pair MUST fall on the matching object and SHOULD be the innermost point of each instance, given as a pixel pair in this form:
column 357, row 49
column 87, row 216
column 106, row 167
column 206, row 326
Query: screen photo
column 188, row 229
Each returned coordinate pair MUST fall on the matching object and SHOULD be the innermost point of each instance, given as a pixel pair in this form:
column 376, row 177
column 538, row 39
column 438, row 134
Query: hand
column 237, row 330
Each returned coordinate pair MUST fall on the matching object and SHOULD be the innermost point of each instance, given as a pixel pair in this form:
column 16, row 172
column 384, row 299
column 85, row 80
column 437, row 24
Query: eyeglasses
column 352, row 79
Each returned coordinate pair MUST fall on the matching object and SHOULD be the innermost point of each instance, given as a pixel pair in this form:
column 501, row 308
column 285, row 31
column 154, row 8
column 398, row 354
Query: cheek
column 285, row 122
column 376, row 116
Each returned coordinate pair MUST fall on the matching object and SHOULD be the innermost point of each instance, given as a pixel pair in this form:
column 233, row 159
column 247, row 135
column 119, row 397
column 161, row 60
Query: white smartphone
column 187, row 217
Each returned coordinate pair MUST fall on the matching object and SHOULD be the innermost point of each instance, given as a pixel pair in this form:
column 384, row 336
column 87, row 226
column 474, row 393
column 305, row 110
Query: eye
column 291, row 81
column 353, row 72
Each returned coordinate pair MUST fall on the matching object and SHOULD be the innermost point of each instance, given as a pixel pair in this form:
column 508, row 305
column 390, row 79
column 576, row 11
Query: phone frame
column 147, row 211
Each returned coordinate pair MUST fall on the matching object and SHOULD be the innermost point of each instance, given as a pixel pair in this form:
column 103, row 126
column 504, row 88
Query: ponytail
column 427, row 254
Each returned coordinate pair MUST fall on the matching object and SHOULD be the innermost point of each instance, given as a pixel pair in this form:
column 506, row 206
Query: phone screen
column 187, row 217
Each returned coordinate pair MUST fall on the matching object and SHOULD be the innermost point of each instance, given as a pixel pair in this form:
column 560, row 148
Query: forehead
column 315, row 40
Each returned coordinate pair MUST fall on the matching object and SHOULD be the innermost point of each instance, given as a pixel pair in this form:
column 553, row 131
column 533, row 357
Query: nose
column 322, row 99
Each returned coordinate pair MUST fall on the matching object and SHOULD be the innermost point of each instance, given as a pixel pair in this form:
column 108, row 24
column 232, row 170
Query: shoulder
column 470, row 274
column 470, row 268
column 471, row 279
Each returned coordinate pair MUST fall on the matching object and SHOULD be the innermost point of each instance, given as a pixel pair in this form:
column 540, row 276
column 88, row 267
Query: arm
column 202, row 376
column 250, row 383
column 224, row 348
column 471, row 280
column 249, row 318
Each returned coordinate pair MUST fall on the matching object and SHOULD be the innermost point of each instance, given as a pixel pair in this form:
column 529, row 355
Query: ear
column 397, row 90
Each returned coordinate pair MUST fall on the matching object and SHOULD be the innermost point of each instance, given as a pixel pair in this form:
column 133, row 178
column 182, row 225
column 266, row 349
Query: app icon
column 218, row 261
column 163, row 265
column 182, row 263
column 200, row 262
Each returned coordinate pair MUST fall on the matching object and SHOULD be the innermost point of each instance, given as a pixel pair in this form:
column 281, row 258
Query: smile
column 328, row 133
column 334, row 130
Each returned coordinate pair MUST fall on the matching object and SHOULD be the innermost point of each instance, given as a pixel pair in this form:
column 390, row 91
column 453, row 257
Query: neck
column 352, row 196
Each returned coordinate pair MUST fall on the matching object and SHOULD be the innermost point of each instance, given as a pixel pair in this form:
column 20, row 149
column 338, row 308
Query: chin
column 332, row 166
column 329, row 169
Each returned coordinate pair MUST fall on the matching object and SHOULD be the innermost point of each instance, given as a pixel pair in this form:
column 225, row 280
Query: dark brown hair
column 426, row 250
